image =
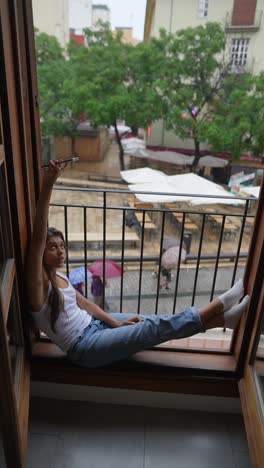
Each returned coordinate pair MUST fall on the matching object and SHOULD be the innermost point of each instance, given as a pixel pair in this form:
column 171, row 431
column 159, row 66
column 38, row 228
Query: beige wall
column 177, row 14
column 127, row 36
column 162, row 137
column 52, row 17
column 80, row 15
column 88, row 148
column 173, row 15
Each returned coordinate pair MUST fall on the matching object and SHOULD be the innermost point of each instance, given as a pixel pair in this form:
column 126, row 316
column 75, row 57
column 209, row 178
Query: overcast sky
column 129, row 13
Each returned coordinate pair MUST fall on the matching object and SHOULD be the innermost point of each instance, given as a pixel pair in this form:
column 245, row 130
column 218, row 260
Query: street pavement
column 147, row 289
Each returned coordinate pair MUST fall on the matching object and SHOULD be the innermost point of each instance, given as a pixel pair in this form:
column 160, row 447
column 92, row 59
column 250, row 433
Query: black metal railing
column 105, row 224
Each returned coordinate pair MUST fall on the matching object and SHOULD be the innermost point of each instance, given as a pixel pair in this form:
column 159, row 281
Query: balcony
column 112, row 224
column 248, row 26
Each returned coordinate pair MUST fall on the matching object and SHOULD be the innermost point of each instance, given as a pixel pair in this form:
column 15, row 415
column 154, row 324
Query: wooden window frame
column 229, row 365
column 252, row 407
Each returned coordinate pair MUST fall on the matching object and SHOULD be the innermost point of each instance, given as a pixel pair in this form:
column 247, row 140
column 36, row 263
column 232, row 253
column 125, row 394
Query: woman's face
column 54, row 253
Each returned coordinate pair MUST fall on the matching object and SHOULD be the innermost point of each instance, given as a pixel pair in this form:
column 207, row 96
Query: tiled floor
column 80, row 434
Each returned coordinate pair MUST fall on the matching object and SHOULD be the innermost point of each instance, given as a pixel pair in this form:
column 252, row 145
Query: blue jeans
column 101, row 344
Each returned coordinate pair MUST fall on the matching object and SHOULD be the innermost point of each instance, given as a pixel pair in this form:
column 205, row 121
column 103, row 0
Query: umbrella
column 77, row 275
column 112, row 268
column 169, row 242
column 170, row 258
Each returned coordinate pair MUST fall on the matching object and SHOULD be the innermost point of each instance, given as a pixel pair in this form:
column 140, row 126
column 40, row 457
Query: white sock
column 232, row 316
column 233, row 295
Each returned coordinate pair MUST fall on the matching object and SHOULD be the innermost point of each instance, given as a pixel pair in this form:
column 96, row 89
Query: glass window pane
column 259, row 356
column 5, row 235
column 14, row 331
column 238, row 51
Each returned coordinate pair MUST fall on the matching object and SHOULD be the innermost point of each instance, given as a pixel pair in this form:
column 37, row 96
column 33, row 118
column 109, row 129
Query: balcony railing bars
column 102, row 248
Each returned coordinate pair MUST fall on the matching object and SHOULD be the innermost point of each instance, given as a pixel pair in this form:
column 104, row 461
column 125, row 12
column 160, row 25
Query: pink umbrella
column 112, row 268
column 169, row 259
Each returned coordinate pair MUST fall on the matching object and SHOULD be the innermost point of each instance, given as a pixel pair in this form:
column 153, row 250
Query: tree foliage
column 59, row 112
column 183, row 78
column 51, row 67
column 193, row 76
column 231, row 117
column 255, row 132
column 48, row 49
column 113, row 80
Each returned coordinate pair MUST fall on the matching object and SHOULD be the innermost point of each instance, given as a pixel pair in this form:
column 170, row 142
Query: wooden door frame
column 20, row 156
column 247, row 339
column 254, row 281
column 252, row 408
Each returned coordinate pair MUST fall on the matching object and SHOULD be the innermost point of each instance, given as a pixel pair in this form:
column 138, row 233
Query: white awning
column 184, row 185
column 143, row 175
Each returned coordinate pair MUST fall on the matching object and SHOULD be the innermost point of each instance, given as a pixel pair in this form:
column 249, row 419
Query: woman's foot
column 213, row 315
column 233, row 315
column 233, row 295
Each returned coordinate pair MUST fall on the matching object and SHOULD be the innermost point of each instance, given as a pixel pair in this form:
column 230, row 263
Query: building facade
column 100, row 13
column 80, row 15
column 127, row 36
column 52, row 17
column 242, row 20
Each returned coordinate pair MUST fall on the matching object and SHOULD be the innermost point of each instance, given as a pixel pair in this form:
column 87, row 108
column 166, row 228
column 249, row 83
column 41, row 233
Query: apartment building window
column 239, row 52
column 202, row 8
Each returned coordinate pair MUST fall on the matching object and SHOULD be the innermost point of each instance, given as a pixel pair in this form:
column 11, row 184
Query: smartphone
column 73, row 159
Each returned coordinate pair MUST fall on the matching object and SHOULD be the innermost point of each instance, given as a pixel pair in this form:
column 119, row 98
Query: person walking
column 97, row 288
column 90, row 336
column 166, row 273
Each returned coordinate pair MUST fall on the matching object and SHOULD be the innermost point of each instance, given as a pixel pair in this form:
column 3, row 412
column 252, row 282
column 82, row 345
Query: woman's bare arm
column 100, row 314
column 34, row 267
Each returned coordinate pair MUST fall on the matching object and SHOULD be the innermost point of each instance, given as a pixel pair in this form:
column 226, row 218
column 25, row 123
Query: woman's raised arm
column 34, row 268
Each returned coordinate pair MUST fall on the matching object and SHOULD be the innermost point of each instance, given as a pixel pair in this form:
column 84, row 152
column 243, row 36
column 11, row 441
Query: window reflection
column 5, row 245
column 259, row 363
column 2, row 257
column 13, row 330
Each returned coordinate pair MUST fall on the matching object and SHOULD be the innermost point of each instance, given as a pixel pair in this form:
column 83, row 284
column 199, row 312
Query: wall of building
column 52, row 17
column 162, row 137
column 80, row 14
column 88, row 148
column 100, row 13
column 127, row 35
column 174, row 15
column 136, row 398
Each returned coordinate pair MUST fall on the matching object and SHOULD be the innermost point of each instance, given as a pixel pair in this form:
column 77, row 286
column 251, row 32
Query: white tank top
column 71, row 320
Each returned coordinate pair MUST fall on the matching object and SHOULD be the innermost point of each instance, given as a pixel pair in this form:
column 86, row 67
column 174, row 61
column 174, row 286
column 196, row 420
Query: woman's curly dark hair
column 55, row 298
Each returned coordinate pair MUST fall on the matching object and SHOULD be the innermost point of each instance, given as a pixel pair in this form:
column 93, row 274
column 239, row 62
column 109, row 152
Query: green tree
column 112, row 80
column 237, row 118
column 232, row 118
column 192, row 79
column 144, row 102
column 51, row 65
column 59, row 112
column 255, row 133
column 48, row 49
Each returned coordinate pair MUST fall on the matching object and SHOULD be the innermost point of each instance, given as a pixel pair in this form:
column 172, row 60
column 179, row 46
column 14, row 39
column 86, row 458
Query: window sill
column 153, row 370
